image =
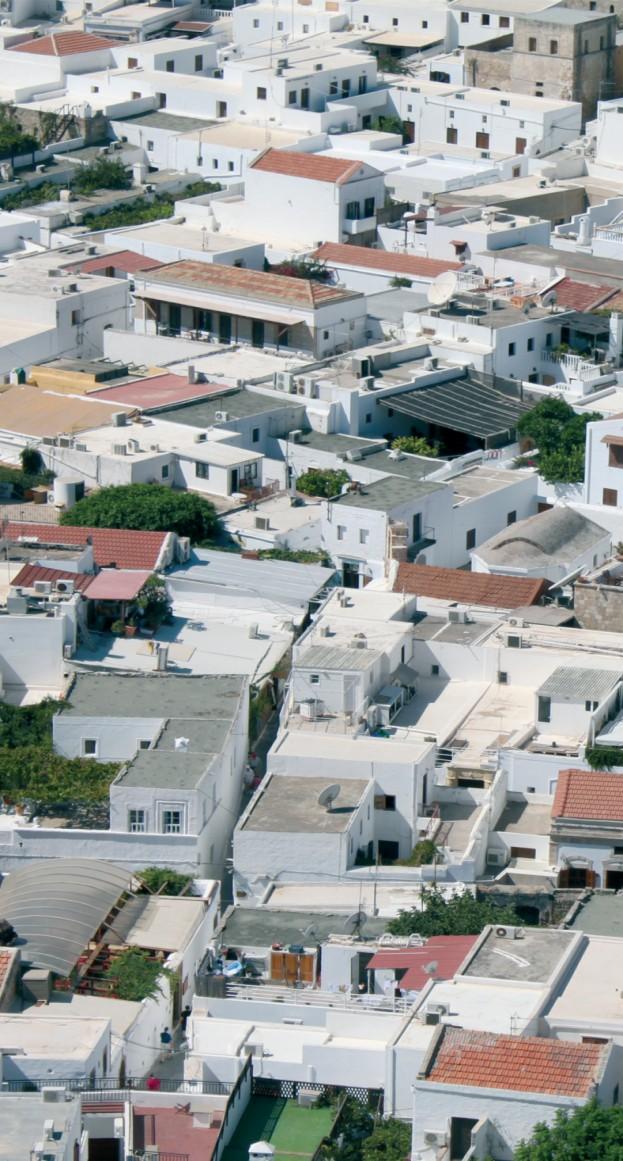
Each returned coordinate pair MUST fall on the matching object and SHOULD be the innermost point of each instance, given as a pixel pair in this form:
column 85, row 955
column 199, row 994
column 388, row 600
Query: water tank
column 67, row 491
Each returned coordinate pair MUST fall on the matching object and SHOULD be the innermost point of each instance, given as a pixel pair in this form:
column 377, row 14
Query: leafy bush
column 47, row 191
column 604, row 757
column 459, row 915
column 35, row 772
column 135, row 976
column 297, row 556
column 589, row 1133
column 422, row 854
column 390, row 1140
column 302, row 268
column 324, row 482
column 104, row 173
column 144, row 209
column 414, row 445
column 146, row 507
column 28, row 725
column 13, row 141
column 153, row 602
column 559, row 434
column 397, row 282
column 31, row 461
column 164, row 880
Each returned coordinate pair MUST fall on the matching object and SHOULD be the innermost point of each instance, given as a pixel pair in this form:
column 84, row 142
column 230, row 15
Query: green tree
column 560, row 435
column 414, row 445
column 13, row 141
column 134, row 976
column 460, row 915
column 562, row 467
column 390, row 1140
column 146, row 507
column 324, row 482
column 422, row 854
column 103, row 173
column 31, row 461
column 163, row 880
column 153, row 602
column 543, row 425
column 590, row 1133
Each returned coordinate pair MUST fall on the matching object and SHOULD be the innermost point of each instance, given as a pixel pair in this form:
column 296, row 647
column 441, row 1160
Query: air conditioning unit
column 65, row 441
column 517, row 622
column 496, row 858
column 51, row 1095
column 221, row 416
column 296, row 435
column 119, row 449
column 80, row 447
column 253, row 632
column 506, row 932
column 134, row 445
column 200, row 436
column 513, row 641
column 64, row 586
column 119, row 419
column 283, row 381
column 262, row 523
column 183, row 548
column 458, row 616
column 43, row 588
column 436, row 1139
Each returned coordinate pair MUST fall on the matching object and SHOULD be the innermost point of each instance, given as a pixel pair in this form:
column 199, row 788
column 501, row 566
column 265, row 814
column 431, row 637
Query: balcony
column 426, row 540
column 359, row 225
column 575, row 367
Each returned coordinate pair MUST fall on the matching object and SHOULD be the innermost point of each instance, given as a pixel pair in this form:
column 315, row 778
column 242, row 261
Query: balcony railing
column 575, row 365
column 106, row 1088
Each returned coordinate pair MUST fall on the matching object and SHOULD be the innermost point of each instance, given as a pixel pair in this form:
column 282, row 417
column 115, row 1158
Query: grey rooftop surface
column 531, row 959
column 157, row 695
column 164, row 770
column 170, row 121
column 390, row 305
column 274, row 580
column 261, row 926
column 574, row 684
column 335, row 657
column 602, row 914
column 466, row 404
column 580, row 267
column 385, row 495
column 22, row 1120
column 290, row 806
column 565, row 16
column 559, row 534
column 376, row 455
column 237, row 404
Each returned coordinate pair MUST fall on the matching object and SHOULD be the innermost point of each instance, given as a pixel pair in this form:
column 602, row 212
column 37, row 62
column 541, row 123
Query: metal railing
column 106, row 1088
column 314, row 997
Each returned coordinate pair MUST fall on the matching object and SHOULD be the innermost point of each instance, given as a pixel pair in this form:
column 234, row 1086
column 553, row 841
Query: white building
column 553, row 544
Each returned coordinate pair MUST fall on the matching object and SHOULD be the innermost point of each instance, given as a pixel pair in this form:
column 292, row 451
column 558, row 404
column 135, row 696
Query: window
column 589, row 706
column 144, row 744
column 171, row 822
column 198, row 63
column 221, row 108
column 333, row 89
column 314, row 678
column 504, row 22
column 95, row 88
column 230, row 167
column 132, row 62
column 452, row 135
column 602, row 44
column 89, row 747
column 395, row 22
column 502, row 677
column 363, row 535
column 485, row 18
column 149, row 145
column 162, row 100
column 256, row 23
column 261, row 93
column 548, row 339
column 255, row 435
column 609, row 497
column 75, row 318
column 484, row 118
column 544, row 709
column 280, row 26
column 586, row 47
column 346, row 87
column 306, row 28
column 368, row 208
column 202, row 471
column 135, row 96
column 482, row 140
column 615, row 456
column 164, row 472
column 434, row 671
column 341, row 531
column 532, row 44
column 136, row 821
column 516, row 171
column 368, row 417
column 325, row 335
column 464, row 17
column 170, row 66
column 352, row 211
column 553, row 48
column 292, row 97
column 384, row 801
column 214, row 163
column 511, row 517
column 511, row 349
column 470, row 538
column 425, row 24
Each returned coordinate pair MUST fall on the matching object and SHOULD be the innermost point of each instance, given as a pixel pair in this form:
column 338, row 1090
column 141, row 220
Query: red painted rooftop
column 471, row 588
column 367, row 258
column 30, row 573
column 112, row 547
column 589, row 794
column 125, row 260
column 118, row 584
column 65, row 44
column 516, row 1063
column 309, row 166
column 174, row 1131
column 447, row 951
column 158, row 391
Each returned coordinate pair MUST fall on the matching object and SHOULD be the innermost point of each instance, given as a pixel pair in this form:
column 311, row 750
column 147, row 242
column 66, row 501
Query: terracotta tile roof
column 65, row 44
column 470, row 588
column 582, row 296
column 118, row 547
column 310, row 166
column 192, row 26
column 125, row 260
column 30, row 573
column 253, row 284
column 6, row 959
column 516, row 1063
column 589, row 794
column 181, row 1134
column 447, row 951
column 370, row 259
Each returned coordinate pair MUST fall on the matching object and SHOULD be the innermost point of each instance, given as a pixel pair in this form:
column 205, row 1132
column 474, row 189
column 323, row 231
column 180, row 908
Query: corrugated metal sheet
column 573, row 684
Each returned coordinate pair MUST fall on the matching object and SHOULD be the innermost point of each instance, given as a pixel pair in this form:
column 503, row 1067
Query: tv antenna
column 328, row 796
column 443, row 288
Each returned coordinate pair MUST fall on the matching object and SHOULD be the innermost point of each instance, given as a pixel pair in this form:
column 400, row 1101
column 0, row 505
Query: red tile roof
column 157, row 391
column 118, row 547
column 589, row 794
column 125, row 260
column 65, row 44
column 446, row 951
column 179, row 1133
column 310, row 166
column 30, row 573
column 252, row 284
column 370, row 259
column 191, row 26
column 516, row 1063
column 470, row 588
column 6, row 959
column 581, row 295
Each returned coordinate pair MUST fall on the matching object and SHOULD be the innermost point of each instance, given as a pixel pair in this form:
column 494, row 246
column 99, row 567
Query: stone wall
column 599, row 606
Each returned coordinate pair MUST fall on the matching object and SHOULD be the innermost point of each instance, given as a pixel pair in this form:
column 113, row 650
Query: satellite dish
column 443, row 288
column 549, row 299
column 431, row 968
column 309, row 932
column 328, row 796
column 355, row 921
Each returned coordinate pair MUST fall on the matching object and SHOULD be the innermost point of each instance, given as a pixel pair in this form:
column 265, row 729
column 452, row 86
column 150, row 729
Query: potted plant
column 130, row 630
column 118, row 628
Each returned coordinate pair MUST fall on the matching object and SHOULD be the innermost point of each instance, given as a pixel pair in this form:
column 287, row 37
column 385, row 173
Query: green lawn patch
column 294, row 1132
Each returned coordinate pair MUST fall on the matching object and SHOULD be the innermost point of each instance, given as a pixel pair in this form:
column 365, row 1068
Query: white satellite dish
column 309, row 932
column 443, row 288
column 549, row 299
column 328, row 796
column 355, row 921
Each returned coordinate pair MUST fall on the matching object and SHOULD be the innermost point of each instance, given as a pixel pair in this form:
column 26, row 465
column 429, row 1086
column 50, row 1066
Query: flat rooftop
column 593, row 993
column 601, row 914
column 290, row 805
column 237, row 405
column 261, row 926
column 157, row 769
column 485, row 1007
column 159, row 695
column 384, row 495
column 531, row 959
column 525, row 818
column 23, row 1117
column 386, row 899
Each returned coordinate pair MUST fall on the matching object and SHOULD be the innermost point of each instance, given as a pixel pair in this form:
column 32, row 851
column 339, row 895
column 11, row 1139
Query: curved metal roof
column 57, row 906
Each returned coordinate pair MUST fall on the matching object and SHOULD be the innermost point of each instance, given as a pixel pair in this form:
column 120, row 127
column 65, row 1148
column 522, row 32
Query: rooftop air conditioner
column 119, row 449
column 262, row 523
column 517, row 622
column 507, row 932
column 458, row 616
column 200, row 436
column 513, row 641
column 296, row 435
column 52, row 1095
column 42, row 588
column 64, row 586
column 221, row 416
